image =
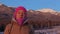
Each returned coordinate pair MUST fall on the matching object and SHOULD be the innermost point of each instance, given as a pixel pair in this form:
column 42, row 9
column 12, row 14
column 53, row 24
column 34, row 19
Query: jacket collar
column 23, row 23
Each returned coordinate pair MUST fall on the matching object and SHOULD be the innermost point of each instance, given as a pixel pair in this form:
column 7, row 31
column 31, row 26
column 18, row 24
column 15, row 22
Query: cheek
column 17, row 16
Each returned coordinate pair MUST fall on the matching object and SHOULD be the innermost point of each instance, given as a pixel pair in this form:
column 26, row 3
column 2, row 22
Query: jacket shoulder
column 8, row 26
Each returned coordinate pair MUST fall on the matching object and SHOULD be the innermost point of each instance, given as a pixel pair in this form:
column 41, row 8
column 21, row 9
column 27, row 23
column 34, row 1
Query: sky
column 33, row 4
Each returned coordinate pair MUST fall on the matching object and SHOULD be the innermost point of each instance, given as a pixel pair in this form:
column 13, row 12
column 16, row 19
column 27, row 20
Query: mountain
column 42, row 18
column 5, row 15
column 48, row 10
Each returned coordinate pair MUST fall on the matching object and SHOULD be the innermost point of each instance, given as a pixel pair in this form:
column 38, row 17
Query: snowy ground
column 55, row 30
column 1, row 33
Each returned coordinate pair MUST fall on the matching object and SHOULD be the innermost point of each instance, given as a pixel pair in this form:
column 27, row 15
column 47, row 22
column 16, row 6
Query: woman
column 17, row 25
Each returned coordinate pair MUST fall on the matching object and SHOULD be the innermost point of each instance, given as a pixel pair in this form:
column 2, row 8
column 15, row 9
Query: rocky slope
column 44, row 18
column 5, row 15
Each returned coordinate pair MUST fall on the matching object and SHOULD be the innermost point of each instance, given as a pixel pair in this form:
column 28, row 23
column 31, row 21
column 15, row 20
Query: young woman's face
column 20, row 14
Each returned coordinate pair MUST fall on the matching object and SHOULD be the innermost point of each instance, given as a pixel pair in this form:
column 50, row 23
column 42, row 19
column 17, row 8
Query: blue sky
column 33, row 4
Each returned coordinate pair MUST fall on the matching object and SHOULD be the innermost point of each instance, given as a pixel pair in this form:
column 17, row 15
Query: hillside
column 5, row 15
